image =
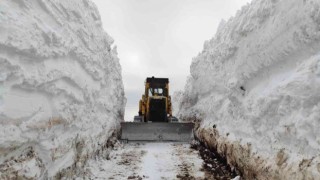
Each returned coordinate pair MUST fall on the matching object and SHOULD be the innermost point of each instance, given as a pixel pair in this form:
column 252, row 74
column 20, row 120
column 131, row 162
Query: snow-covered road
column 149, row 161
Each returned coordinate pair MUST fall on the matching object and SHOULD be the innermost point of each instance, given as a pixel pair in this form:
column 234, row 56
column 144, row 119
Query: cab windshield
column 156, row 92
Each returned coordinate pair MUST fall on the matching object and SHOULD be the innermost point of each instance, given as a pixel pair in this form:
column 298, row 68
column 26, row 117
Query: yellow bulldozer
column 155, row 104
column 155, row 121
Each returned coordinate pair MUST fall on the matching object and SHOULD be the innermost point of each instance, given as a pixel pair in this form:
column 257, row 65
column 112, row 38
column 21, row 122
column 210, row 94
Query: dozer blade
column 178, row 132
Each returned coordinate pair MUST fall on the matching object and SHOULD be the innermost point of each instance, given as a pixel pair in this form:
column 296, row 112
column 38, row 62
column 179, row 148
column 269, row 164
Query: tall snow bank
column 257, row 82
column 61, row 91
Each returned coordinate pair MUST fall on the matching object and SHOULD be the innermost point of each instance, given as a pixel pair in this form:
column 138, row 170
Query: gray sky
column 160, row 37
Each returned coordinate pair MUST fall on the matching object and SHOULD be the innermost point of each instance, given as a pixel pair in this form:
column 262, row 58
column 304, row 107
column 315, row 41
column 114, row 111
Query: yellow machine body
column 156, row 96
column 155, row 121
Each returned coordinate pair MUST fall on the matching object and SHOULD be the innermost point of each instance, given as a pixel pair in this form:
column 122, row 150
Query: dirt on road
column 158, row 160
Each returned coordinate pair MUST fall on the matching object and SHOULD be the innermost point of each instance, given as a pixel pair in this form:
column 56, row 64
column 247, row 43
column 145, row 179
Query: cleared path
column 148, row 161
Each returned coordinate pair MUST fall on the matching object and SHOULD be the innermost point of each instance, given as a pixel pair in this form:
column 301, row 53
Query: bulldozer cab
column 155, row 104
column 157, row 87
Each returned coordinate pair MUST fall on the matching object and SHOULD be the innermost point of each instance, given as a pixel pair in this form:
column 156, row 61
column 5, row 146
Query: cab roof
column 157, row 80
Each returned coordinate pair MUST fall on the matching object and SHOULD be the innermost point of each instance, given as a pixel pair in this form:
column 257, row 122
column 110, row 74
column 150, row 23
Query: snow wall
column 255, row 88
column 61, row 90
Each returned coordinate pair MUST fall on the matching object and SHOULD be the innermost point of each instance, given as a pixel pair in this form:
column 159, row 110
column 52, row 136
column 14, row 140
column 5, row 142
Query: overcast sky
column 160, row 37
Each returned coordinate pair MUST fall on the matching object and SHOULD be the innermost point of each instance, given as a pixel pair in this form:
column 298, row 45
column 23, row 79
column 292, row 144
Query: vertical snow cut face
column 61, row 90
column 257, row 82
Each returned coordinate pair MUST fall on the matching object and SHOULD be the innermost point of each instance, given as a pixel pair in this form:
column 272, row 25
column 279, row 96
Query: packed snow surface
column 61, row 92
column 258, row 80
column 148, row 161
